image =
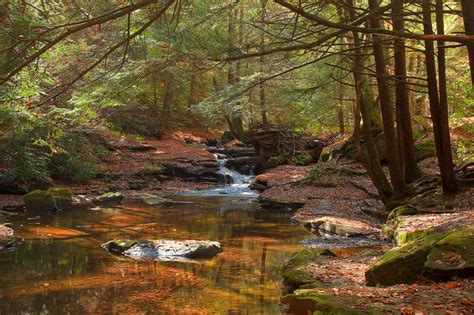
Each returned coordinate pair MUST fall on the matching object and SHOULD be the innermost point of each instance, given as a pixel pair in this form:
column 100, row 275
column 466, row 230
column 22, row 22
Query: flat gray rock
column 164, row 250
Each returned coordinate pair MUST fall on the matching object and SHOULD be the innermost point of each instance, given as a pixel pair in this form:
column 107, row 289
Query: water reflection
column 62, row 268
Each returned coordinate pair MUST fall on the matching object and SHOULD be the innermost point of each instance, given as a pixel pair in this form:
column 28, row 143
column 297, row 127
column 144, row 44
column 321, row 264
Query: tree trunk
column 402, row 102
column 412, row 71
column 192, row 89
column 263, row 105
column 440, row 121
column 468, row 15
column 166, row 109
column 370, row 160
column 443, row 103
column 235, row 119
column 393, row 154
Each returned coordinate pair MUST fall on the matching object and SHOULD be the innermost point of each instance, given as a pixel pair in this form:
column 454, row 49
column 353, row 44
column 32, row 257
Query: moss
column 403, row 237
column 275, row 161
column 62, row 196
column 324, row 156
column 402, row 210
column 388, row 230
column 109, row 198
column 295, row 272
column 153, row 169
column 48, row 200
column 425, row 149
column 401, row 264
column 453, row 253
column 302, row 159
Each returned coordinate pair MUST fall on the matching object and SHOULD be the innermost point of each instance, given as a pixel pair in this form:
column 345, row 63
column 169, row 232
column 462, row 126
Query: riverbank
column 337, row 202
column 128, row 164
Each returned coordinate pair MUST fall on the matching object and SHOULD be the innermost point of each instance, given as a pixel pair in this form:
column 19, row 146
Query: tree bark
column 235, row 120
column 440, row 121
column 402, row 101
column 393, row 154
column 370, row 160
column 166, row 109
column 468, row 16
column 263, row 103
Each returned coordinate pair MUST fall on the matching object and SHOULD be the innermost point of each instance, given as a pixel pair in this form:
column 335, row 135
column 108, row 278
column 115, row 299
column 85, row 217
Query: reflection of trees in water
column 75, row 274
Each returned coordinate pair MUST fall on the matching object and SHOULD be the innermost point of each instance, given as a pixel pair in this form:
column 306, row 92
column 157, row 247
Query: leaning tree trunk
column 402, row 101
column 438, row 114
column 393, row 154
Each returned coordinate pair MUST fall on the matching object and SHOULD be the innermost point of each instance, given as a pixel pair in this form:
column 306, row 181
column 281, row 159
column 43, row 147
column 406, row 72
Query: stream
column 61, row 267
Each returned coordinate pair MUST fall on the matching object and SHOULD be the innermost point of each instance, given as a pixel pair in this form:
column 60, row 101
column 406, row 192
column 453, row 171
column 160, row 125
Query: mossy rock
column 109, row 198
column 63, row 196
column 275, row 161
column 403, row 237
column 48, row 200
column 319, row 301
column 295, row 272
column 402, row 264
column 425, row 149
column 453, row 255
column 388, row 230
column 402, row 210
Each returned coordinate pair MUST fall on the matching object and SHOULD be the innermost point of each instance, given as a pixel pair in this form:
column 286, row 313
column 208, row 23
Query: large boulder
column 438, row 255
column 109, row 198
column 453, row 255
column 401, row 264
column 165, row 250
column 48, row 200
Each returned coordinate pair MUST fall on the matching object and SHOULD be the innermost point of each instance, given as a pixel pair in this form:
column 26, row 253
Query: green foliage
column 302, row 159
column 37, row 146
column 153, row 169
column 75, row 164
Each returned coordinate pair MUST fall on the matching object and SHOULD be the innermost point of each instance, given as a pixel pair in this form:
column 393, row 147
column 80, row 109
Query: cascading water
column 230, row 182
column 228, row 176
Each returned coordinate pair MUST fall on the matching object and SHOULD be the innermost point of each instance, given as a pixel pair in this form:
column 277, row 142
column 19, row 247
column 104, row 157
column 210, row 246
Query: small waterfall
column 228, row 176
column 231, row 182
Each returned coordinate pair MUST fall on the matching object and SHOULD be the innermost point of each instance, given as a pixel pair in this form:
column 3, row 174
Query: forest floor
column 348, row 205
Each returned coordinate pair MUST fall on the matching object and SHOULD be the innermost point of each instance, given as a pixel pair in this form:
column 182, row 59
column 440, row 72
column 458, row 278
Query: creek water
column 61, row 267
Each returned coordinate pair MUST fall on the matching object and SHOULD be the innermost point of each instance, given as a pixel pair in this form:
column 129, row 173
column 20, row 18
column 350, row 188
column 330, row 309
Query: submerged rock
column 165, row 250
column 109, row 198
column 7, row 239
column 151, row 199
column 48, row 200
